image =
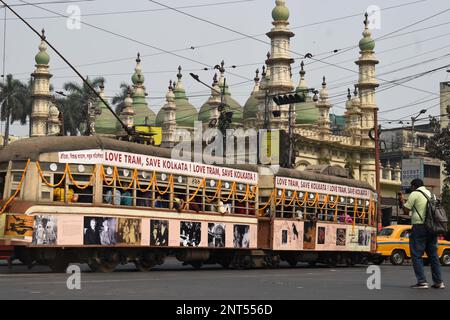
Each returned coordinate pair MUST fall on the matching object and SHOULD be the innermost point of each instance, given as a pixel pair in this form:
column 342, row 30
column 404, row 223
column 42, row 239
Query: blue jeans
column 421, row 242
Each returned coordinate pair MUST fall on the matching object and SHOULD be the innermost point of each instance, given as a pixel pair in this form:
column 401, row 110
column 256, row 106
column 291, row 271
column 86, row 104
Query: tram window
column 112, row 196
column 144, row 199
column 76, row 194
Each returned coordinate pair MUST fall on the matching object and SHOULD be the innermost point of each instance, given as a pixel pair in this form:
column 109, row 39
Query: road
column 174, row 281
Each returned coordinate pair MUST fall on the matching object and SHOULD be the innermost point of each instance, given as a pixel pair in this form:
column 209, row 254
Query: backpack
column 436, row 220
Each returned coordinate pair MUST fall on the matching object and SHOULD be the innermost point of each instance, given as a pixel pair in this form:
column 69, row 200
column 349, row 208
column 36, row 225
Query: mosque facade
column 321, row 138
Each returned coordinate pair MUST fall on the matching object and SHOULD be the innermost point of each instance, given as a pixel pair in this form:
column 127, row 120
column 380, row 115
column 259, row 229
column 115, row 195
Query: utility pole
column 377, row 166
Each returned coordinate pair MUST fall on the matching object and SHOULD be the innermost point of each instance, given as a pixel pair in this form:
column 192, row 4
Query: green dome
column 280, row 12
column 235, row 107
column 307, row 113
column 367, row 44
column 42, row 58
column 251, row 107
column 106, row 123
column 186, row 112
column 138, row 78
column 204, row 115
column 143, row 115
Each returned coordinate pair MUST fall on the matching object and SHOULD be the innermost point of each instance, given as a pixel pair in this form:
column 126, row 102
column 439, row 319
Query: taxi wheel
column 397, row 258
column 445, row 259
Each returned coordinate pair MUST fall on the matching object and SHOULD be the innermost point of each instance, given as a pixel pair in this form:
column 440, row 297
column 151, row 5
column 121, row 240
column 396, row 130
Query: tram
column 106, row 202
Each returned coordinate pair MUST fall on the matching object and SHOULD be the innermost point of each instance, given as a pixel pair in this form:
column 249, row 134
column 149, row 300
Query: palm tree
column 74, row 105
column 119, row 99
column 15, row 101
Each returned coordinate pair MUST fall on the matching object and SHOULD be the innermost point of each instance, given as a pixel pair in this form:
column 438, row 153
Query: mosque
column 322, row 138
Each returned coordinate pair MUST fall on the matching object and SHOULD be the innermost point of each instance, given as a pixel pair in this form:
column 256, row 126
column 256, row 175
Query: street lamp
column 226, row 116
column 413, row 121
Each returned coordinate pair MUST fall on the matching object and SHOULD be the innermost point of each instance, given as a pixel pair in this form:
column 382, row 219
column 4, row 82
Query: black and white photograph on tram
column 363, row 237
column 45, row 230
column 159, row 233
column 241, row 237
column 100, row 231
column 129, row 231
column 341, row 237
column 190, row 234
column 216, row 235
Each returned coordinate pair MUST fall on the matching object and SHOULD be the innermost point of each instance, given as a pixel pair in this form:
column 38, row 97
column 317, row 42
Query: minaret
column 214, row 101
column 262, row 97
column 127, row 114
column 302, row 86
column 54, row 125
column 279, row 62
column 353, row 117
column 144, row 116
column 367, row 84
column 41, row 91
column 169, row 126
column 324, row 107
column 251, row 106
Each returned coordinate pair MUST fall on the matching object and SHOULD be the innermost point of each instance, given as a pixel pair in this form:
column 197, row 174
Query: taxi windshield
column 387, row 232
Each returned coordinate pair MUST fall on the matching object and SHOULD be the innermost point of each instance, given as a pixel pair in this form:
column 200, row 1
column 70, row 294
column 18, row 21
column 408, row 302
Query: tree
column 446, row 199
column 15, row 101
column 74, row 106
column 119, row 99
column 439, row 147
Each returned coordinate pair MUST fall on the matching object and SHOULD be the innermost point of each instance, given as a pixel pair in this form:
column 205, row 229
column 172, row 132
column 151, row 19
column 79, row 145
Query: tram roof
column 32, row 148
column 325, row 178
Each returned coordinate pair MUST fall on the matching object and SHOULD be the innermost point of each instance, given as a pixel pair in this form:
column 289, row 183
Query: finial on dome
column 349, row 94
column 138, row 60
column 324, row 83
column 356, row 91
column 268, row 55
column 257, row 76
column 43, row 34
column 264, row 71
column 215, row 80
column 367, row 43
column 179, row 75
column 302, row 69
column 366, row 21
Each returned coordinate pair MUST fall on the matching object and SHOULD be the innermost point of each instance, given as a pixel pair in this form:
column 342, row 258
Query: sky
column 415, row 43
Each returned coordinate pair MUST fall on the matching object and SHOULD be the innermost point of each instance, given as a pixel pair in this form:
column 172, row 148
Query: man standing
column 421, row 241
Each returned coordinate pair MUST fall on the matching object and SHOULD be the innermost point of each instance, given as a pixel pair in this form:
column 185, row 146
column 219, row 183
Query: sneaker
column 438, row 286
column 420, row 286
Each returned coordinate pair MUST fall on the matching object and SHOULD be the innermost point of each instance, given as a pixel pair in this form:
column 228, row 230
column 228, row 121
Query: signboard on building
column 412, row 169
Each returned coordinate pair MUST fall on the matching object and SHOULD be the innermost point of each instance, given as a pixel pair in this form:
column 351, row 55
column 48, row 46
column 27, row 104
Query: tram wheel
column 144, row 266
column 292, row 262
column 146, row 262
column 105, row 263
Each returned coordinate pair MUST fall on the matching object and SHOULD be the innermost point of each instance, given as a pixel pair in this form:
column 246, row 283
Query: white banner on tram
column 320, row 187
column 150, row 163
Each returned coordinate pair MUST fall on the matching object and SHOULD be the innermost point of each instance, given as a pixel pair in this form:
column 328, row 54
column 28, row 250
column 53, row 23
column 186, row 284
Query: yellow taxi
column 393, row 243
